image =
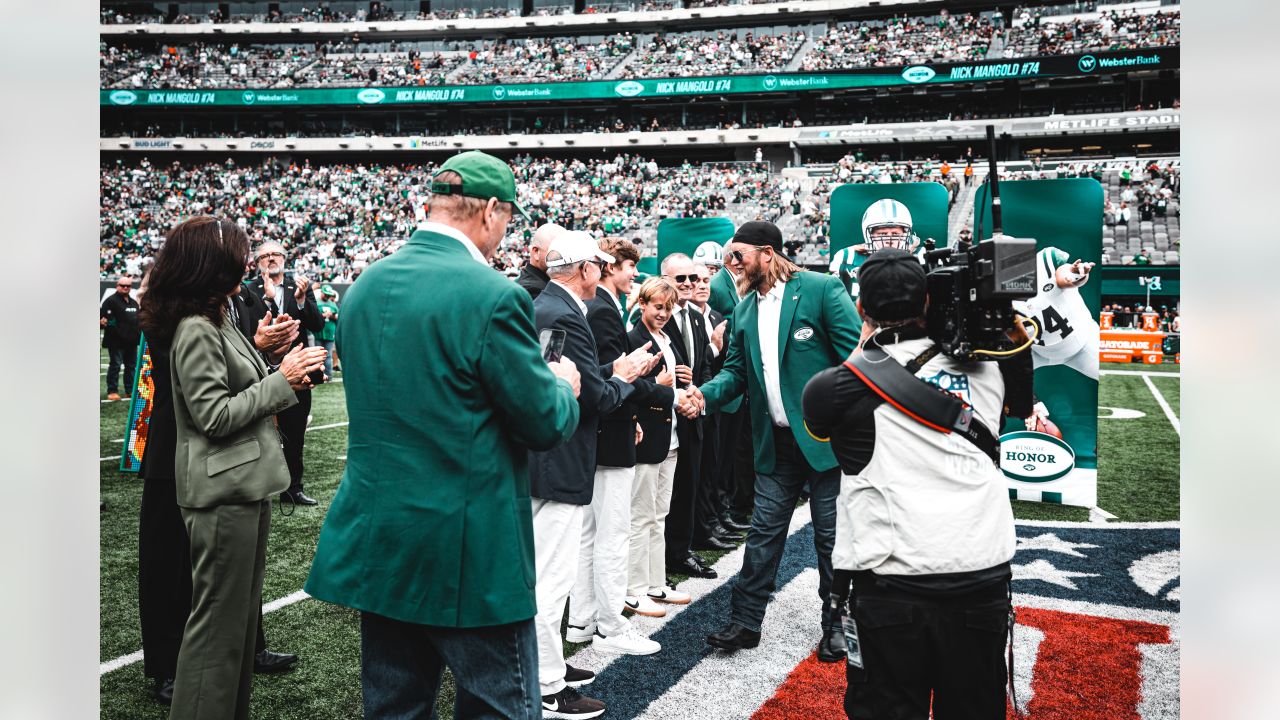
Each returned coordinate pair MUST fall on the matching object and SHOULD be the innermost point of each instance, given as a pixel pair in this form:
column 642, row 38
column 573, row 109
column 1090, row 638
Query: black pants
column 921, row 648
column 744, row 464
column 293, row 428
column 121, row 357
column 707, row 504
column 684, row 494
column 164, row 579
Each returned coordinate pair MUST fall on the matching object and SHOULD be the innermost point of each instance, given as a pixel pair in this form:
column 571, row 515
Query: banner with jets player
column 867, row 216
column 1053, row 456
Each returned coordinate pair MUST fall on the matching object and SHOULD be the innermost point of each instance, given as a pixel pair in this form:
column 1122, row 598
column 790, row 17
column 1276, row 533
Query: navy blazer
column 616, row 446
column 567, row 473
column 690, row 430
column 655, row 414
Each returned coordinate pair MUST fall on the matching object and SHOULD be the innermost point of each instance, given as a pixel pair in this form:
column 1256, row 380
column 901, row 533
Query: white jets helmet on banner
column 709, row 253
column 887, row 224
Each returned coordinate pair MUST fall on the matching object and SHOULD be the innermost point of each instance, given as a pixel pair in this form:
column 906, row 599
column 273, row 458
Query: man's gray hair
column 564, row 270
column 673, row 258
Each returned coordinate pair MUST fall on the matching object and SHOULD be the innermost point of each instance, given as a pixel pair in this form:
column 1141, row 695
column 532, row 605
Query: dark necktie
column 688, row 336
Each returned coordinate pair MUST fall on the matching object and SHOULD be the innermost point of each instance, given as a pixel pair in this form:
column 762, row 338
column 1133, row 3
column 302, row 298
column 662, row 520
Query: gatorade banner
column 1125, row 345
column 1054, row 458
column 144, row 388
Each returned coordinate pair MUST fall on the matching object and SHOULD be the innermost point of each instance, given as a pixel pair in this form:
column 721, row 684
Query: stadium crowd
column 336, row 219
column 1112, row 30
column 903, row 41
column 692, row 54
column 876, row 43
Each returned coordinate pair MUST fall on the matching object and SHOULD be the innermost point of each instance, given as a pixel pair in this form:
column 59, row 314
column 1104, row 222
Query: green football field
column 1138, row 480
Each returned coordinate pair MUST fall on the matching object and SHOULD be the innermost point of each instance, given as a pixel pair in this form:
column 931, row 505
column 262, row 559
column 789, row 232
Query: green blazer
column 227, row 446
column 446, row 393
column 724, row 298
column 815, row 332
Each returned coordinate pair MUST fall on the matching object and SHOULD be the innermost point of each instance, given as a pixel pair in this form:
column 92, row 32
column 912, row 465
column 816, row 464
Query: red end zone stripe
column 1086, row 668
column 894, row 403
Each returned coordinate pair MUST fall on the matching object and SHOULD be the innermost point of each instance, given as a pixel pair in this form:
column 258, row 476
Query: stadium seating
column 864, row 43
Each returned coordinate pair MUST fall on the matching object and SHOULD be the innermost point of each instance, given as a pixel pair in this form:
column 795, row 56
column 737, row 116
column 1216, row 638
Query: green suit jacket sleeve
column 816, row 331
column 228, row 450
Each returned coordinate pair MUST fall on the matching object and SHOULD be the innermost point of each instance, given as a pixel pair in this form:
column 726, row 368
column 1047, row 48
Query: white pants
column 557, row 530
column 601, row 587
column 650, row 503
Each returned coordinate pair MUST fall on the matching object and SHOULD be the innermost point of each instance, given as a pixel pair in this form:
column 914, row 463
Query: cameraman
column 923, row 525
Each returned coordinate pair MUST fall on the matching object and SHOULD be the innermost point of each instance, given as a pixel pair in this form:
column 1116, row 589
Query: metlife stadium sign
column 1020, row 68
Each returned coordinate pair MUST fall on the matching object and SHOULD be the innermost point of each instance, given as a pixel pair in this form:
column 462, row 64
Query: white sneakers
column 580, row 633
column 627, row 642
column 641, row 605
column 668, row 595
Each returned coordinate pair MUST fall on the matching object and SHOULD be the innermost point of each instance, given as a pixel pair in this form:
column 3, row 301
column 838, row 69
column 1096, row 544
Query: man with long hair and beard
column 790, row 325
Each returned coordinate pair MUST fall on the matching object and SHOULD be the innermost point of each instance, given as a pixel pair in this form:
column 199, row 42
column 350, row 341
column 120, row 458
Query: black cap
column 759, row 232
column 891, row 286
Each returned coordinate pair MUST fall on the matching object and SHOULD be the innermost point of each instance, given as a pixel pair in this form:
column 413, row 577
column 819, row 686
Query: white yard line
column 1142, row 373
column 1164, row 405
column 133, row 657
column 310, row 429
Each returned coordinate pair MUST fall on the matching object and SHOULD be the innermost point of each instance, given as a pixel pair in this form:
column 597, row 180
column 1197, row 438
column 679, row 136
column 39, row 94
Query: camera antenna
column 993, row 176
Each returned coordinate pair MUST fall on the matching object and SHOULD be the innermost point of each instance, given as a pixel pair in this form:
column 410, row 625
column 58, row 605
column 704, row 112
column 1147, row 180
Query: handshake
column 690, row 402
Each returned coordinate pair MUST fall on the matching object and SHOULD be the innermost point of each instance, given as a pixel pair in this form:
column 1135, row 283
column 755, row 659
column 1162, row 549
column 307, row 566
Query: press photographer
column 924, row 530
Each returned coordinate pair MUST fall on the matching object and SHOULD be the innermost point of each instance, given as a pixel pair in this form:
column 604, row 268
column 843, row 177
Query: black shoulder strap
column 919, row 400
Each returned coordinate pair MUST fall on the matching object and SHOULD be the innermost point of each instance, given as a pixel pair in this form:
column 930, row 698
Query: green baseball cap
column 483, row 176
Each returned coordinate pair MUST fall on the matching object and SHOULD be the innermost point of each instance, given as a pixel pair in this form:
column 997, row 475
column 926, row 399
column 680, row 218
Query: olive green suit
column 446, row 393
column 227, row 464
column 816, row 330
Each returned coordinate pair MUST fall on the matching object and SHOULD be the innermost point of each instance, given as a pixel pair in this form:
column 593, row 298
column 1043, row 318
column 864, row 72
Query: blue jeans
column 117, row 357
column 495, row 668
column 775, row 503
column 328, row 358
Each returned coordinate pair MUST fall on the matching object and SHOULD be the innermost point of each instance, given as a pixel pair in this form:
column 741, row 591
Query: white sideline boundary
column 310, row 429
column 133, row 657
column 1164, row 405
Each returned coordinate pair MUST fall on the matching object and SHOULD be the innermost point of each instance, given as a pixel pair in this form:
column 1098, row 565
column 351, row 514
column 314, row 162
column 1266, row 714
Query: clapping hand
column 717, row 336
column 666, row 379
column 684, row 374
column 300, row 294
column 565, row 368
column 274, row 338
column 629, row 367
column 299, row 362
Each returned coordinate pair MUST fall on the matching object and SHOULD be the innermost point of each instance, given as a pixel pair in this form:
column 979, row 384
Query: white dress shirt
column 769, row 312
column 458, row 235
column 669, row 357
column 711, row 328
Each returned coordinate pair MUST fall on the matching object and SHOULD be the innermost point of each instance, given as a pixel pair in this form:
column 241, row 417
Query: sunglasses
column 736, row 255
column 684, row 278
